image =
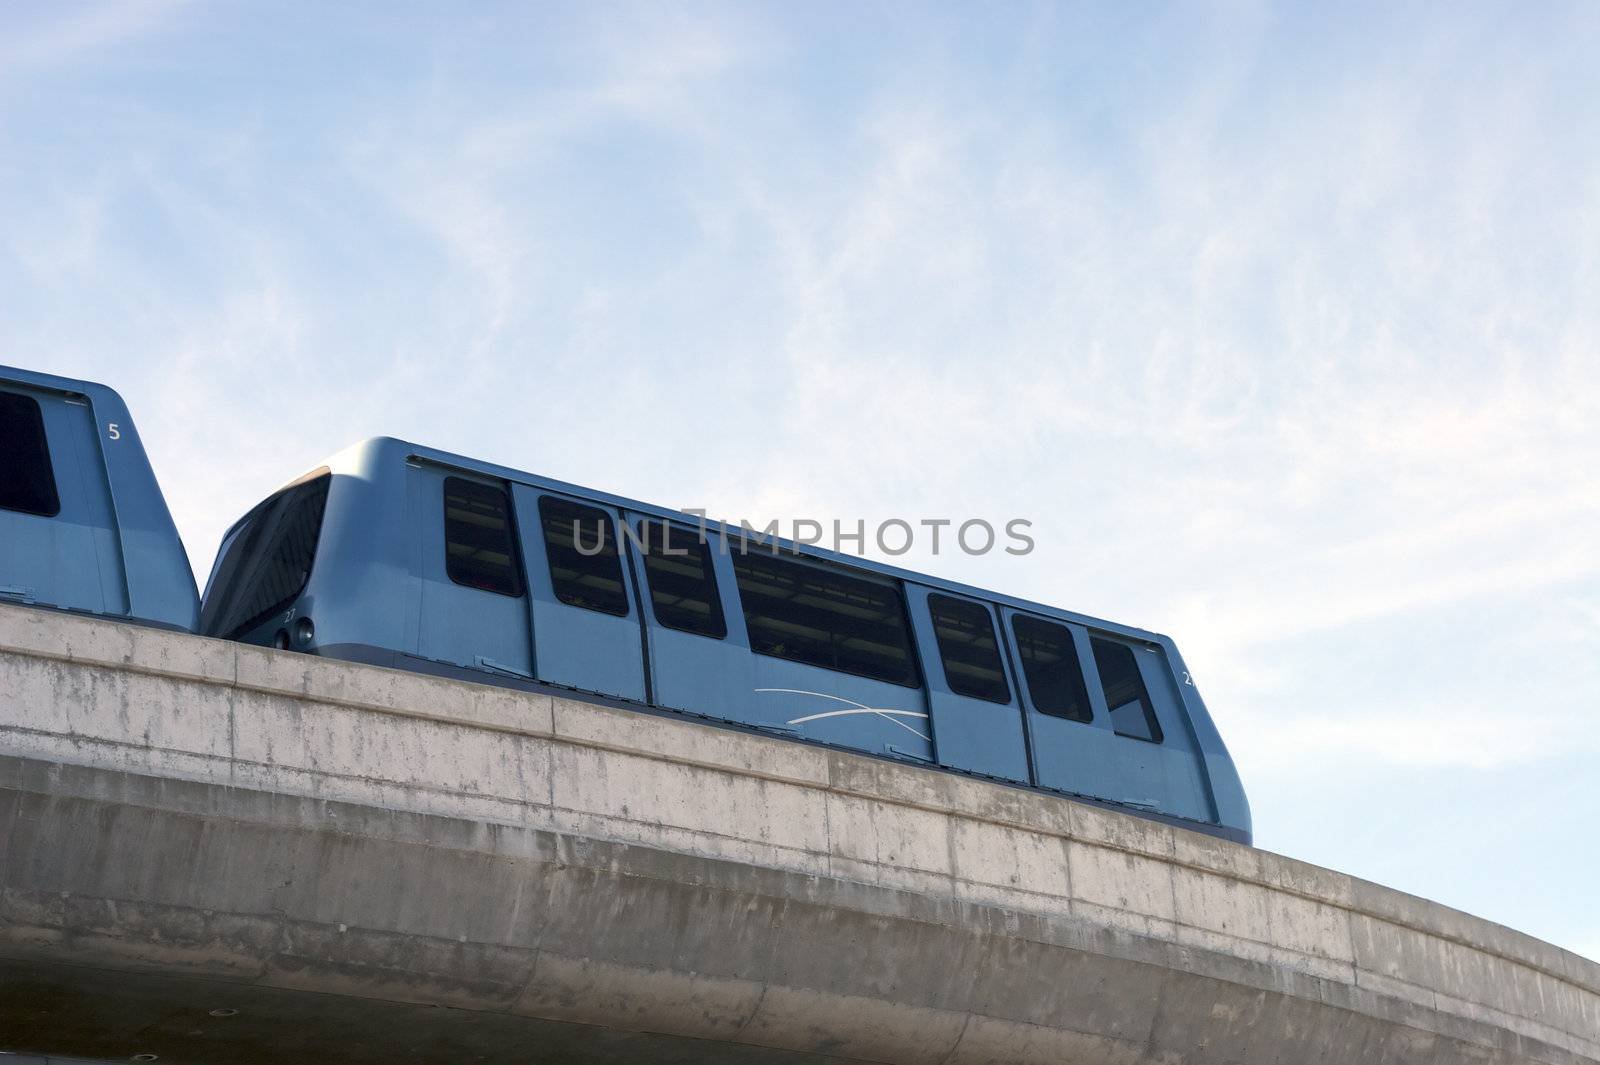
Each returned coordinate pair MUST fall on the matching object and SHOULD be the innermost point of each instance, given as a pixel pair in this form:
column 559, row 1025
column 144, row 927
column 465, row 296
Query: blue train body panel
column 414, row 558
column 83, row 524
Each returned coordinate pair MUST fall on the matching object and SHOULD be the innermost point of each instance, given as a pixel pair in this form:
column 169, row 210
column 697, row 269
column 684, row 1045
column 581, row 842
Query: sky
column 1278, row 322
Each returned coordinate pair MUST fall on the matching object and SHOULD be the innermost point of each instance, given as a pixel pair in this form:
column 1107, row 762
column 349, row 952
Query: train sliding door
column 976, row 710
column 699, row 661
column 1105, row 718
column 471, row 607
column 582, row 602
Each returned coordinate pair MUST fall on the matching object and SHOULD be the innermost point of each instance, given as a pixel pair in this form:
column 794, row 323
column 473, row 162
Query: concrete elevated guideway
column 370, row 866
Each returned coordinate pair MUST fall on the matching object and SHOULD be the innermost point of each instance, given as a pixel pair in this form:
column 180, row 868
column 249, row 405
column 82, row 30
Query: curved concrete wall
column 345, row 848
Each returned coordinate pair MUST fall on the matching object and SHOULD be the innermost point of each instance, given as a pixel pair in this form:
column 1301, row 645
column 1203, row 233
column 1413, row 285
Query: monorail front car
column 413, row 558
column 83, row 524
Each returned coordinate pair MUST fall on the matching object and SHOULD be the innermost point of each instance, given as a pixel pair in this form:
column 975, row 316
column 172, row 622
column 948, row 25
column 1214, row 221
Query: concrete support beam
column 387, row 867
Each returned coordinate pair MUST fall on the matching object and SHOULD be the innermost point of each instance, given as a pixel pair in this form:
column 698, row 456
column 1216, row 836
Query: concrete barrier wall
column 736, row 888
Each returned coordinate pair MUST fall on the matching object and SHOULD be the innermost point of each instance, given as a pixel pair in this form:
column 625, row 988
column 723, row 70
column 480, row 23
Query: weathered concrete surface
column 375, row 866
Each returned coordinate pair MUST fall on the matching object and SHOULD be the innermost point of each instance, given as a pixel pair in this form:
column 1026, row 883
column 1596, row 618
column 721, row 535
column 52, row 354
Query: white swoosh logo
column 856, row 708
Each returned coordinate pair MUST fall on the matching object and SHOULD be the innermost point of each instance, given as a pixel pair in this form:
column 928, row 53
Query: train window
column 1131, row 711
column 824, row 618
column 581, row 546
column 480, row 549
column 29, row 485
column 1050, row 665
column 968, row 648
column 267, row 561
column 683, row 584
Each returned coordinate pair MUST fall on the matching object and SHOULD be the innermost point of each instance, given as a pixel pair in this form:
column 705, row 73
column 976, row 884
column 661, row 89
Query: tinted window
column 968, row 648
column 585, row 571
column 480, row 548
column 683, row 585
column 267, row 561
column 1050, row 665
column 824, row 618
column 28, row 483
column 1131, row 712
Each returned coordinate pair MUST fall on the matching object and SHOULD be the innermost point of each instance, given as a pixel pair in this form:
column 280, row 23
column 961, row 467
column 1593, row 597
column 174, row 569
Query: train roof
column 391, row 445
column 101, row 395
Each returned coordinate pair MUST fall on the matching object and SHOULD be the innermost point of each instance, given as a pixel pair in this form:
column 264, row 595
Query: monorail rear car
column 412, row 558
column 83, row 524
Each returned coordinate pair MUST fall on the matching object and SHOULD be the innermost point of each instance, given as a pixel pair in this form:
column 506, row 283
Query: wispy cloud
column 74, row 33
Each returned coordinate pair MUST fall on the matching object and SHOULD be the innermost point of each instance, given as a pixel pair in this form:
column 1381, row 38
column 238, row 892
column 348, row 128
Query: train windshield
column 266, row 563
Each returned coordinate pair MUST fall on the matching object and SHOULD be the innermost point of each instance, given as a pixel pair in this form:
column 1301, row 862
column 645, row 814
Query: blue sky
column 1279, row 322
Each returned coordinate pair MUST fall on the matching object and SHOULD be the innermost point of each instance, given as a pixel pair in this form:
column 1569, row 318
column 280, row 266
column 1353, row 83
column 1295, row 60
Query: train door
column 976, row 710
column 582, row 603
column 472, row 601
column 1103, row 719
column 59, row 541
column 698, row 657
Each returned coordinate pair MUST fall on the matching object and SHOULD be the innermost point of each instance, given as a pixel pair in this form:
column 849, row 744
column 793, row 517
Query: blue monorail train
column 83, row 525
column 413, row 558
